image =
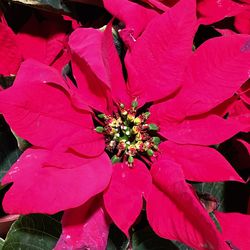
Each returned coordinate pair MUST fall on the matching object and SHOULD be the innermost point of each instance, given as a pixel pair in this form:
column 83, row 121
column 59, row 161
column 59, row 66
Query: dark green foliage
column 146, row 239
column 33, row 232
column 9, row 151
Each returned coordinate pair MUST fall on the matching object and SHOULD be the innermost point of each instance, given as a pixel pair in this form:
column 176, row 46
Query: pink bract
column 69, row 165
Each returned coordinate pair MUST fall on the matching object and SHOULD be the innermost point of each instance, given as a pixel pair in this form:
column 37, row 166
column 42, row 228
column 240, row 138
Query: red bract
column 8, row 64
column 44, row 40
column 232, row 232
column 237, row 107
column 211, row 11
column 134, row 16
column 242, row 20
column 153, row 154
column 208, row 11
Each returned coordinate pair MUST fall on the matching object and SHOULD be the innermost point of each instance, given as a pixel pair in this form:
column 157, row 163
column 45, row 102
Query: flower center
column 128, row 135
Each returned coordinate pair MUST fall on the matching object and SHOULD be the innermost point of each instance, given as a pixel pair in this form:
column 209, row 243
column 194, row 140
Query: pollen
column 128, row 135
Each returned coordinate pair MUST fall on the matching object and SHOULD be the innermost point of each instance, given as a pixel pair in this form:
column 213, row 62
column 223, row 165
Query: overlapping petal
column 8, row 64
column 125, row 193
column 45, row 40
column 234, row 229
column 207, row 130
column 46, row 188
column 242, row 21
column 239, row 111
column 199, row 163
column 211, row 11
column 214, row 73
column 88, row 68
column 172, row 209
column 134, row 16
column 161, row 4
column 84, row 227
column 244, row 92
column 114, row 68
column 162, row 52
column 40, row 112
column 89, row 50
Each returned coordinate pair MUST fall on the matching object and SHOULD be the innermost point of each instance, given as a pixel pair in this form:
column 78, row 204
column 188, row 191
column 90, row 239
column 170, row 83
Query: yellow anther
column 118, row 122
column 132, row 150
column 146, row 146
column 113, row 131
column 131, row 117
column 124, row 112
column 138, row 136
column 113, row 123
column 135, row 129
column 137, row 120
column 139, row 145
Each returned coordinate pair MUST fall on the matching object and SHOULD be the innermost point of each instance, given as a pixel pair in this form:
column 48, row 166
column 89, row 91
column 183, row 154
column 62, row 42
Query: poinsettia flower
column 152, row 143
column 44, row 40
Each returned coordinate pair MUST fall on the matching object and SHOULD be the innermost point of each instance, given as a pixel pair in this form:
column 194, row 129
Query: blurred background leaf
column 146, row 239
column 45, row 4
column 1, row 243
column 231, row 196
column 35, row 231
column 9, row 151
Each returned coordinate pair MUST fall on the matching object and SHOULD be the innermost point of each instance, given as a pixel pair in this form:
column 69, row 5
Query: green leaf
column 216, row 222
column 110, row 246
column 117, row 239
column 91, row 2
column 146, row 239
column 6, row 81
column 9, row 151
column 216, row 189
column 33, row 232
column 21, row 143
column 231, row 196
column 3, row 190
column 1, row 243
column 8, row 161
column 55, row 5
